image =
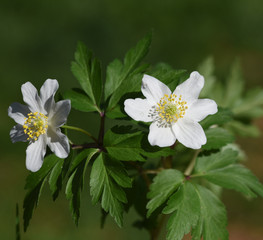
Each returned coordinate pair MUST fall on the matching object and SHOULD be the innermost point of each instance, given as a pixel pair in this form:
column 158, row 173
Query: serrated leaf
column 221, row 169
column 131, row 84
column 242, row 129
column 126, row 144
column 169, row 76
column 85, row 154
column 164, row 184
column 106, row 179
column 212, row 219
column 217, row 138
column 251, row 105
column 80, row 101
column 207, row 70
column 186, row 205
column 88, row 73
column 55, row 179
column 34, row 184
column 234, row 85
column 76, row 181
column 117, row 74
column 221, row 117
column 113, row 79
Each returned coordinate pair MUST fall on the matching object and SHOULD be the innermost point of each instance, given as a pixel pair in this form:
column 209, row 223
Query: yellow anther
column 35, row 125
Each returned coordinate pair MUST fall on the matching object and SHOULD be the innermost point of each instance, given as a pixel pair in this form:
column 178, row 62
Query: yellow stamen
column 35, row 125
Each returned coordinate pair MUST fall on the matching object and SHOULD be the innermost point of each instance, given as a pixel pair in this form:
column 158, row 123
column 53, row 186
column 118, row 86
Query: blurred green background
column 38, row 40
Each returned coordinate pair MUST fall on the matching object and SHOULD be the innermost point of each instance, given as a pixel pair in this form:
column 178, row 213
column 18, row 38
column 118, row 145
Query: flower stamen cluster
column 35, row 125
column 168, row 110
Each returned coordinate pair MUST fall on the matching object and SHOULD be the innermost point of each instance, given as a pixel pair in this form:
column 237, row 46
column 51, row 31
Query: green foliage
column 192, row 207
column 76, row 180
column 126, row 144
column 169, row 76
column 125, row 77
column 222, row 117
column 107, row 180
column 212, row 220
column 222, row 169
column 117, row 71
column 80, row 101
column 118, row 183
column 164, row 184
column 34, row 184
column 217, row 138
column 185, row 206
column 88, row 72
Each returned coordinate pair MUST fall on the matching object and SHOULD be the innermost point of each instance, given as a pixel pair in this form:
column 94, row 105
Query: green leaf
column 106, row 181
column 221, row 117
column 85, row 154
column 131, row 84
column 221, row 169
column 234, row 86
column 117, row 73
column 34, row 184
column 55, row 179
column 76, row 181
column 164, row 184
column 207, row 70
column 88, row 73
column 242, row 129
column 212, row 220
column 251, row 105
column 127, row 144
column 217, row 138
column 169, row 76
column 80, row 101
column 113, row 79
column 186, row 205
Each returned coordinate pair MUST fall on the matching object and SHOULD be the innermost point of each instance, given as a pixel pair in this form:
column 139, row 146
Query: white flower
column 173, row 115
column 39, row 123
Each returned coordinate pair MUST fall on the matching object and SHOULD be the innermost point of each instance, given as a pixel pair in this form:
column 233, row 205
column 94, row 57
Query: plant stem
column 191, row 165
column 80, row 130
column 102, row 126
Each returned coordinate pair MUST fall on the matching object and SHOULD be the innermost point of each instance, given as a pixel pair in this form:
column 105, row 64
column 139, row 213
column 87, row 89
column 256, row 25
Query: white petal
column 200, row 109
column 58, row 142
column 35, row 154
column 161, row 136
column 153, row 89
column 138, row 109
column 191, row 88
column 31, row 97
column 47, row 93
column 189, row 133
column 60, row 113
column 17, row 134
column 18, row 112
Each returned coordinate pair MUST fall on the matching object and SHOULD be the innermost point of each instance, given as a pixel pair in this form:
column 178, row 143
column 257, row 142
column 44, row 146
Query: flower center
column 35, row 125
column 168, row 110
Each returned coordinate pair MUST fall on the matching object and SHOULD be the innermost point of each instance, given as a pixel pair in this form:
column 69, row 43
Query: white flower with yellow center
column 173, row 115
column 39, row 122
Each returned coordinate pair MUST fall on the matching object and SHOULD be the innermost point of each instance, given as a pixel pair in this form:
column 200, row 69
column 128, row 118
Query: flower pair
column 174, row 116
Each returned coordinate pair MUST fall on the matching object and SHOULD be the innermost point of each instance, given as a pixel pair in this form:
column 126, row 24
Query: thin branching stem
column 80, row 130
column 191, row 165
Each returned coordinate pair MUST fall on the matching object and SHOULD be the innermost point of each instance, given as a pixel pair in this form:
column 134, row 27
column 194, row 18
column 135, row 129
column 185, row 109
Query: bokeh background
column 38, row 40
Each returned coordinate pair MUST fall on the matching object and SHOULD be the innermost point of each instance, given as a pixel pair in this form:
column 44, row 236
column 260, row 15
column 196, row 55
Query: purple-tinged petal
column 18, row 112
